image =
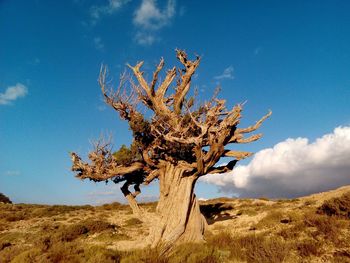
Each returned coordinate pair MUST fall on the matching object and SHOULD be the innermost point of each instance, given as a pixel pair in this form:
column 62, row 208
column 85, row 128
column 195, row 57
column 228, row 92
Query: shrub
column 309, row 247
column 96, row 226
column 339, row 206
column 251, row 248
column 196, row 252
column 270, row 220
column 5, row 199
column 114, row 206
column 327, row 226
column 70, row 233
column 4, row 245
column 222, row 240
column 133, row 222
column 100, row 254
column 260, row 249
column 145, row 256
column 292, row 232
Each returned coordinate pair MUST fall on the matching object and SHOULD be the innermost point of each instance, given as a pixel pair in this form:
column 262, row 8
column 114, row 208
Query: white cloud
column 12, row 93
column 96, row 12
column 98, row 43
column 292, row 168
column 227, row 74
column 149, row 19
column 145, row 39
column 149, row 16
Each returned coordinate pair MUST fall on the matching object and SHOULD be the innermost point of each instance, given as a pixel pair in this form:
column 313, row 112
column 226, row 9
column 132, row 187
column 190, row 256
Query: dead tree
column 177, row 145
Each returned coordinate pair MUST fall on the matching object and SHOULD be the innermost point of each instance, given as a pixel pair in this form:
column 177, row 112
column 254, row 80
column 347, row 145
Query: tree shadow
column 216, row 212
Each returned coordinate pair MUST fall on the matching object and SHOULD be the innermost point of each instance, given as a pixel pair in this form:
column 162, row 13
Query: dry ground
column 309, row 229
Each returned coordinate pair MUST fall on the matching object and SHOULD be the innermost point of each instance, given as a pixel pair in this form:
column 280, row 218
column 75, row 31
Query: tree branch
column 155, row 75
column 237, row 154
column 255, row 126
column 184, row 85
column 223, row 169
column 102, row 169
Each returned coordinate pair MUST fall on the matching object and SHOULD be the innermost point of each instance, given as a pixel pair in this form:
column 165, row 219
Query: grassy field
column 308, row 229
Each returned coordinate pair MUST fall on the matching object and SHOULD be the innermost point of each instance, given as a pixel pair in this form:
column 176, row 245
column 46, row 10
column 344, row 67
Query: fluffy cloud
column 149, row 18
column 96, row 12
column 12, row 93
column 227, row 74
column 294, row 167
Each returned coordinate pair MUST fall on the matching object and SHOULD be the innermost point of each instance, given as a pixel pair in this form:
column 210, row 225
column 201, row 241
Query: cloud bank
column 294, row 167
column 12, row 93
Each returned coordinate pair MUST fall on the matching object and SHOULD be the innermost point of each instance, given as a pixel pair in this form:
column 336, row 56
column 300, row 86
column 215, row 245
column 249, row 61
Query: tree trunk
column 180, row 219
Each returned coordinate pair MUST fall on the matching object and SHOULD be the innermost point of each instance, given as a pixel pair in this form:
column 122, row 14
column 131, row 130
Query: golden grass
column 284, row 231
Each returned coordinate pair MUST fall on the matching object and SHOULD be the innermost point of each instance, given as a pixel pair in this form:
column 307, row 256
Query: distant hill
column 314, row 228
column 5, row 199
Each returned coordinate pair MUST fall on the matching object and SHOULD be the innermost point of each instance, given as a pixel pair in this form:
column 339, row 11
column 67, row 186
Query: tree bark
column 179, row 216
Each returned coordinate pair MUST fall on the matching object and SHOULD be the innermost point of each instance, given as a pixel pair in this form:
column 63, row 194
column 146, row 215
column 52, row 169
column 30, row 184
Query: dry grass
column 240, row 231
column 339, row 206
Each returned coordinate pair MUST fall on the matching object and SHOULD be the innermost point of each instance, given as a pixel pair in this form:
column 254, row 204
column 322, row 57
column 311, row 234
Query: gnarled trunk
column 179, row 217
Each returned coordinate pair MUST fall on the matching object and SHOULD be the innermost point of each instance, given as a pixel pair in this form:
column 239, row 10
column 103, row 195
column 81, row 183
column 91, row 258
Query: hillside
column 315, row 228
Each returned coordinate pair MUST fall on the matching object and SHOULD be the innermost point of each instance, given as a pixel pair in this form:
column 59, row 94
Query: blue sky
column 289, row 56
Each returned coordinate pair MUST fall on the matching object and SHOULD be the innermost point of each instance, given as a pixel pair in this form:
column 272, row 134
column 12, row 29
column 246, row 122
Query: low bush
column 339, row 206
column 260, row 249
column 96, row 226
column 292, row 232
column 328, row 227
column 4, row 199
column 133, row 222
column 309, row 247
column 271, row 219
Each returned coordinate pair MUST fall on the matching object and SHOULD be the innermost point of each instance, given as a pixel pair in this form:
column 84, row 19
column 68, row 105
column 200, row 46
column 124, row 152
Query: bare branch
column 153, row 102
column 252, row 138
column 155, row 75
column 120, row 102
column 223, row 169
column 255, row 126
column 171, row 74
column 184, row 85
column 152, row 175
column 237, row 154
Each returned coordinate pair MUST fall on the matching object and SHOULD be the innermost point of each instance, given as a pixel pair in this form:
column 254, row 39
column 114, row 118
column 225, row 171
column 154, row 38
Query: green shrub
column 5, row 199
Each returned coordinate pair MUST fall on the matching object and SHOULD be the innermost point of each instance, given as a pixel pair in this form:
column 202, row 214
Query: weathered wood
column 177, row 145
